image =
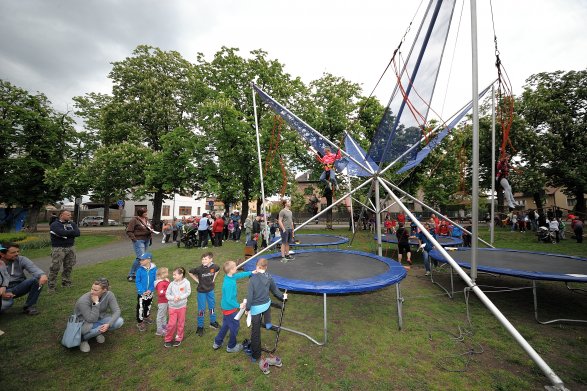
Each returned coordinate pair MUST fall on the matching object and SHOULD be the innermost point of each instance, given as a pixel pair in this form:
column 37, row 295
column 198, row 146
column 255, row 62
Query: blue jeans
column 426, row 257
column 332, row 177
column 95, row 331
column 140, row 247
column 28, row 287
column 228, row 323
column 203, row 298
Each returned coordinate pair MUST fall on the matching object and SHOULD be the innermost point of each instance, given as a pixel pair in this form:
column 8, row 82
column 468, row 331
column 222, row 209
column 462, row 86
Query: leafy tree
column 155, row 92
column 227, row 120
column 554, row 105
column 33, row 138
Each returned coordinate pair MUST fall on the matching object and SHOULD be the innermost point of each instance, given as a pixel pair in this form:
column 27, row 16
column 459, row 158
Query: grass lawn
column 436, row 350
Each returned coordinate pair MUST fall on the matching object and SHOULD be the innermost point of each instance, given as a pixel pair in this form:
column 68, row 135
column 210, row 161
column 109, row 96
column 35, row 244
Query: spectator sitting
column 18, row 284
column 99, row 311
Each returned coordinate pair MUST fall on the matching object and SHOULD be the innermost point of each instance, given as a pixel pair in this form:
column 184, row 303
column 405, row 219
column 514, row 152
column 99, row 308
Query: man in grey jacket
column 18, row 284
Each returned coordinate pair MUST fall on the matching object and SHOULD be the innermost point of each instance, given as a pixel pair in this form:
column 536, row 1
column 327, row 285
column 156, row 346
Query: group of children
column 172, row 299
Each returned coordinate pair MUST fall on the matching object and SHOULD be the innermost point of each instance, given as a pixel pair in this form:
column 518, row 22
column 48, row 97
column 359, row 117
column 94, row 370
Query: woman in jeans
column 99, row 311
column 139, row 230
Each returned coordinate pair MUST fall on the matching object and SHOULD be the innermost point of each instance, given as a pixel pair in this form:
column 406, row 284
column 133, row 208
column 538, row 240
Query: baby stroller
column 189, row 237
column 545, row 235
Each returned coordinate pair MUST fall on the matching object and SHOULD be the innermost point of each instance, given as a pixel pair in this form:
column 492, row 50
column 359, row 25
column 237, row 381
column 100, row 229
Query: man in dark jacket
column 63, row 234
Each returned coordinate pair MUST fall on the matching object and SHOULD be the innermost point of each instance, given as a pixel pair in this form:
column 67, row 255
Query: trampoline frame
column 495, row 272
column 341, row 240
column 457, row 241
column 399, row 298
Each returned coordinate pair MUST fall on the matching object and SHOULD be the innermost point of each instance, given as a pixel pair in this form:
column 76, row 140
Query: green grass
column 84, row 242
column 365, row 351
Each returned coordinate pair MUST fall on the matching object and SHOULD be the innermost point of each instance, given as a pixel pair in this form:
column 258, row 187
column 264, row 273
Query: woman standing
column 99, row 311
column 139, row 230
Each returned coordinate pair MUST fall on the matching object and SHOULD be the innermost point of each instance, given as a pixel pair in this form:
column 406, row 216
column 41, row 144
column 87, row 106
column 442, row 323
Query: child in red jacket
column 328, row 163
column 161, row 284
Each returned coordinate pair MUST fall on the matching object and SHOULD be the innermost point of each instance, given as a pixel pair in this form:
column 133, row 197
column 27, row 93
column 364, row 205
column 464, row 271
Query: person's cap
column 146, row 255
column 2, row 247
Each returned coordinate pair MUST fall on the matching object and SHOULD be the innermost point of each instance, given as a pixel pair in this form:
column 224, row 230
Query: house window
column 199, row 211
column 571, row 202
column 165, row 211
column 185, row 210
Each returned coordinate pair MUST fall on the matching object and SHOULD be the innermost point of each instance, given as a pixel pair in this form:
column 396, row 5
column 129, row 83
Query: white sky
column 63, row 48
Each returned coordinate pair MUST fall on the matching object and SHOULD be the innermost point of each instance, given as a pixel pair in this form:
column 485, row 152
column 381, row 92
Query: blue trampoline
column 315, row 240
column 332, row 271
column 445, row 241
column 530, row 265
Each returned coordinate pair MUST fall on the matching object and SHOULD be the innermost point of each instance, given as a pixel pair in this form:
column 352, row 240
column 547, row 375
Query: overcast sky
column 64, row 48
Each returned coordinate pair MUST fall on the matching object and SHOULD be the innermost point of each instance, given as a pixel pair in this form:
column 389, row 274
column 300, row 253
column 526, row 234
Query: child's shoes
column 274, row 361
column 264, row 366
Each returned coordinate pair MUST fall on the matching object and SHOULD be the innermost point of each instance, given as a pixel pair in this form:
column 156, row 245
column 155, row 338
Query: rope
column 505, row 106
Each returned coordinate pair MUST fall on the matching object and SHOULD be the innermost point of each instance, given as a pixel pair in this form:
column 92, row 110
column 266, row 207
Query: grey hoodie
column 182, row 289
column 90, row 313
column 17, row 267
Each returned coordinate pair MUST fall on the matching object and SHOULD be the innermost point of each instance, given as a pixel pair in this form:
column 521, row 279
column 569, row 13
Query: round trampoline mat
column 315, row 240
column 525, row 264
column 445, row 241
column 333, row 271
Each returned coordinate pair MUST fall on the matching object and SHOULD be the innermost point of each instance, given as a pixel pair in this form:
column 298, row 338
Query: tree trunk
column 580, row 207
column 260, row 206
column 157, row 203
column 75, row 211
column 538, row 201
column 34, row 217
column 245, row 204
column 107, row 200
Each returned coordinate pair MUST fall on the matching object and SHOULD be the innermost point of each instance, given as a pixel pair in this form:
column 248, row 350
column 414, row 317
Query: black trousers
column 143, row 307
column 256, row 321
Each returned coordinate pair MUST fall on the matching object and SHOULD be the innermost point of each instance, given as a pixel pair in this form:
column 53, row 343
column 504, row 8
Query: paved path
column 118, row 249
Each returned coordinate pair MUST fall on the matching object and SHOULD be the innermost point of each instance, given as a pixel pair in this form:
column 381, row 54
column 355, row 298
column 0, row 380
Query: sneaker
column 290, row 257
column 215, row 346
column 200, row 331
column 1, row 332
column 427, row 274
column 284, row 260
column 32, row 310
column 176, row 343
column 237, row 348
column 130, row 279
column 101, row 338
column 215, row 325
column 84, row 347
column 149, row 320
column 264, row 366
column 409, row 262
column 142, row 326
column 275, row 361
column 168, row 344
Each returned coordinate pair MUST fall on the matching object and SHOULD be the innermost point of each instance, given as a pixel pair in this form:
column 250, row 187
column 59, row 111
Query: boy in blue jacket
column 145, row 282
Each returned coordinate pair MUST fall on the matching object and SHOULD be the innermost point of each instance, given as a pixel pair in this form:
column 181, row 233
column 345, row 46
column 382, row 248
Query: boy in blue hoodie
column 145, row 282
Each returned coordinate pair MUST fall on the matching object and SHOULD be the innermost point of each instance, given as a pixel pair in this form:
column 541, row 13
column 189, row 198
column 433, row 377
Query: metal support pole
column 378, row 219
column 493, row 195
column 264, row 204
column 430, row 208
column 548, row 372
column 275, row 243
column 325, row 321
column 475, row 171
column 352, row 212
